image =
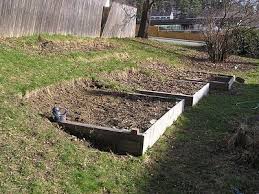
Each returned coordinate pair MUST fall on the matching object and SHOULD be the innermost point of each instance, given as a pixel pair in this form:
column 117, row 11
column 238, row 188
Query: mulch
column 86, row 105
column 45, row 46
column 155, row 80
column 199, row 61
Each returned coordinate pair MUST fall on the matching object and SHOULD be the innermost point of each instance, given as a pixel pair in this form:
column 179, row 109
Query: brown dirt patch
column 199, row 61
column 92, row 106
column 44, row 46
column 195, row 75
column 174, row 73
column 150, row 80
column 179, row 74
column 69, row 46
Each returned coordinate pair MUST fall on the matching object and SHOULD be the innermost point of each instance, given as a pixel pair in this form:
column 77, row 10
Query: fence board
column 121, row 21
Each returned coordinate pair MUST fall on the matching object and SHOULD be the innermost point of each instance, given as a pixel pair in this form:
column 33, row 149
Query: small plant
column 246, row 142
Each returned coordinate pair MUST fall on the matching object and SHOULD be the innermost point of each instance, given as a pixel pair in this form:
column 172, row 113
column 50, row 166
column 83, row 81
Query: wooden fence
column 154, row 31
column 75, row 17
column 121, row 21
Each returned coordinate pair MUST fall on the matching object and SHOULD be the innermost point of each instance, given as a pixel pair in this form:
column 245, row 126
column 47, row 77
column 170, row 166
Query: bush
column 246, row 42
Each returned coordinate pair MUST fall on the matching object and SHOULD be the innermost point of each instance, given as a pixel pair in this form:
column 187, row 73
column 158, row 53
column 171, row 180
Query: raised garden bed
column 190, row 100
column 123, row 122
column 217, row 81
column 144, row 83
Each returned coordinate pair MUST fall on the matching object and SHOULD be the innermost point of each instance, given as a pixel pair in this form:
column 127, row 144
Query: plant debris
column 44, row 46
column 245, row 143
column 96, row 107
column 141, row 79
column 199, row 61
column 180, row 74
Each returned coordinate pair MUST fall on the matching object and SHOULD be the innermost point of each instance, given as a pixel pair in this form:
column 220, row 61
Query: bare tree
column 223, row 18
column 146, row 13
column 145, row 18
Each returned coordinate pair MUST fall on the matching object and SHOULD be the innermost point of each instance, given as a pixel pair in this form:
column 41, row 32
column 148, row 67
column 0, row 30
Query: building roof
column 159, row 13
column 188, row 21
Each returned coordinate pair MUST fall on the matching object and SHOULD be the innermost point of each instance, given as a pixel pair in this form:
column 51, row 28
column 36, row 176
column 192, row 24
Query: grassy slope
column 36, row 157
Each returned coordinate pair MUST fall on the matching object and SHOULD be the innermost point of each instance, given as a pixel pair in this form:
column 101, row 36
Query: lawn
column 37, row 157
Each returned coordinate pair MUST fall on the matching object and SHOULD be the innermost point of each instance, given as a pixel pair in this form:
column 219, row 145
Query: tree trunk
column 145, row 19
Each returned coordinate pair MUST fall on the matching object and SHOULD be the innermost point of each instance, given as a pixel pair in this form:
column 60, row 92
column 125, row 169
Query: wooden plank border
column 190, row 100
column 226, row 83
column 152, row 135
column 120, row 140
column 221, row 82
column 198, row 96
column 126, row 141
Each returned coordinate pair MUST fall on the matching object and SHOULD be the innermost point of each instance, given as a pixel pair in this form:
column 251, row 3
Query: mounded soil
column 55, row 47
column 87, row 105
column 44, row 46
column 178, row 74
column 155, row 81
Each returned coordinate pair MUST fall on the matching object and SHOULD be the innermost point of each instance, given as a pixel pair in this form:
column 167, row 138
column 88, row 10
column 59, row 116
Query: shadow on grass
column 192, row 156
column 200, row 59
column 197, row 48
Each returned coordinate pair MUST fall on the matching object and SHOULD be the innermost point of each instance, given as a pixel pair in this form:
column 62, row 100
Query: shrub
column 246, row 42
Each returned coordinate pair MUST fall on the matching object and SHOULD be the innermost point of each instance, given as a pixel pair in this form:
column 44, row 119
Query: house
column 174, row 13
column 155, row 15
column 172, row 21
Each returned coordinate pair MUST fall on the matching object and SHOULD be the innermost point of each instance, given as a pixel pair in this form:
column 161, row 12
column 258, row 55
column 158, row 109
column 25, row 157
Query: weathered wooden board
column 121, row 21
column 190, row 100
column 204, row 91
column 121, row 141
column 220, row 82
column 158, row 129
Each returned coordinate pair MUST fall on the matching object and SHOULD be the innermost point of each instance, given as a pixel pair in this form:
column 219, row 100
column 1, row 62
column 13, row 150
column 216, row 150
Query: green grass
column 22, row 71
column 36, row 157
